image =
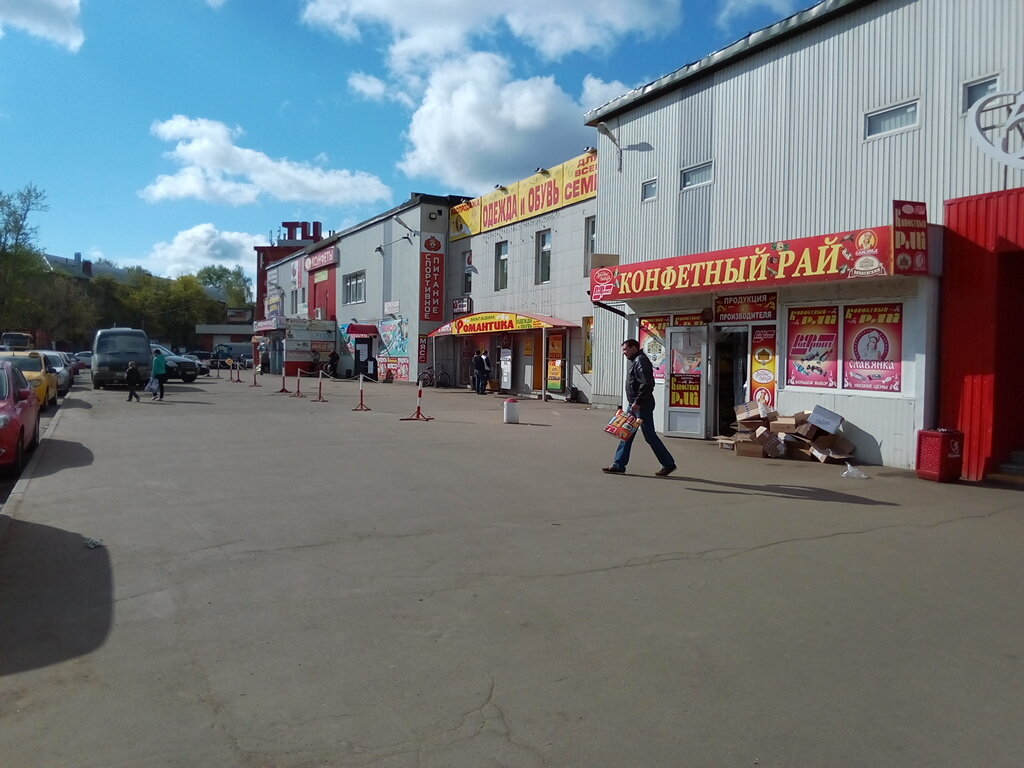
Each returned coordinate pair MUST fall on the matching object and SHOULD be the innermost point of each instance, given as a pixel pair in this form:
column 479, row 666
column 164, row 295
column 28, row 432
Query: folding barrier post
column 284, row 387
column 362, row 406
column 255, row 383
column 418, row 416
column 320, row 391
column 298, row 384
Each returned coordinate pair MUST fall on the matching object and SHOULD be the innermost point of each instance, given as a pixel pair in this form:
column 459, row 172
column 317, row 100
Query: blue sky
column 173, row 134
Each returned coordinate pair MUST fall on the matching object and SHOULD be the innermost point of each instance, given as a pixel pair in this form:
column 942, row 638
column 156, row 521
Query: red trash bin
column 940, row 454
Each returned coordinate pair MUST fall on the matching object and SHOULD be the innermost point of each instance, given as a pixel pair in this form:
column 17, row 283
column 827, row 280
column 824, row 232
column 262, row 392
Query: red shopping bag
column 623, row 425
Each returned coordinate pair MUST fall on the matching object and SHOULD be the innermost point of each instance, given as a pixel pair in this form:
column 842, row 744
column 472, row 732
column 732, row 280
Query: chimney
column 86, row 267
column 316, row 231
column 78, row 257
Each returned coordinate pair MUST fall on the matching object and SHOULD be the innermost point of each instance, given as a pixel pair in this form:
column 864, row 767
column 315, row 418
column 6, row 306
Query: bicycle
column 428, row 379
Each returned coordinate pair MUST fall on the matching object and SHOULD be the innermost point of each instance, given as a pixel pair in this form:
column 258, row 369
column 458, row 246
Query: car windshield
column 122, row 344
column 27, row 364
column 55, row 360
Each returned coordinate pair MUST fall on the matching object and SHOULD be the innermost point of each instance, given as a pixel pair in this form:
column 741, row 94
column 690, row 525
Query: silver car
column 60, row 367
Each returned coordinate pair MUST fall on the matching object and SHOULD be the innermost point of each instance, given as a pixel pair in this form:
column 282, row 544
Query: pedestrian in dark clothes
column 134, row 380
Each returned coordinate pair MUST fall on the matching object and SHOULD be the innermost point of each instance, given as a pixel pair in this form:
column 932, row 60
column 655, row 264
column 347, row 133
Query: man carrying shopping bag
column 640, row 392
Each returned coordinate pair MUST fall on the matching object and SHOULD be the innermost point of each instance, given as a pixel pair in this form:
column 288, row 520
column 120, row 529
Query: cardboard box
column 748, row 449
column 783, row 424
column 724, row 442
column 755, row 409
column 773, row 444
column 808, row 431
column 798, row 452
column 825, row 420
column 832, row 448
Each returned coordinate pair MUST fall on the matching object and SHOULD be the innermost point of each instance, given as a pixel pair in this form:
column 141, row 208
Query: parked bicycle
column 429, row 379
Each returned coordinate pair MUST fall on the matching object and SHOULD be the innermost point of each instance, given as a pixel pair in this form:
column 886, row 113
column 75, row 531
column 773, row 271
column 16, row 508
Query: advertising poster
column 746, row 308
column 812, row 357
column 910, row 237
column 684, row 390
column 763, row 364
column 398, row 367
column 873, row 347
column 422, row 354
column 556, row 348
column 688, row 320
column 652, row 342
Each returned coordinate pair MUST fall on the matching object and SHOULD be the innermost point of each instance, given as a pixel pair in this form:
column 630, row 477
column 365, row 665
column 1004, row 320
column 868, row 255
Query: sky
column 176, row 134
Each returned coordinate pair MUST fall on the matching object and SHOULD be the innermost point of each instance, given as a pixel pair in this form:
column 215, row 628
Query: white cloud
column 201, row 246
column 477, row 126
column 425, row 32
column 214, row 169
column 732, row 10
column 54, row 20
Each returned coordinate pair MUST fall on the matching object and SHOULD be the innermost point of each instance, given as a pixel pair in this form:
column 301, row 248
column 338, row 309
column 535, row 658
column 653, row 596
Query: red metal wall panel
column 982, row 314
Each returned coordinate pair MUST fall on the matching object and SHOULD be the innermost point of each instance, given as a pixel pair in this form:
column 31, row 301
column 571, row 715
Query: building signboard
column 323, row 258
column 431, row 279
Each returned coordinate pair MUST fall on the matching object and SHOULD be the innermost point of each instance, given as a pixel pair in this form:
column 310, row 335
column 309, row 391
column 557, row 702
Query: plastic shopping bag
column 623, row 425
column 153, row 386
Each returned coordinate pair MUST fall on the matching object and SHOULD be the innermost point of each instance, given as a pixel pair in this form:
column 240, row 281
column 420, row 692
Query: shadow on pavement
column 56, row 597
column 74, row 402
column 62, row 454
column 795, row 492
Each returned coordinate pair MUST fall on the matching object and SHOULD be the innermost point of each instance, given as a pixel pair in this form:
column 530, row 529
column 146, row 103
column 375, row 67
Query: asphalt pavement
column 286, row 582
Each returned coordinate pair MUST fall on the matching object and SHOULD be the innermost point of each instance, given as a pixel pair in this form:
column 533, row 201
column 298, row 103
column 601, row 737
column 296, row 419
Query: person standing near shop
column 640, row 391
column 159, row 373
column 478, row 371
column 486, row 378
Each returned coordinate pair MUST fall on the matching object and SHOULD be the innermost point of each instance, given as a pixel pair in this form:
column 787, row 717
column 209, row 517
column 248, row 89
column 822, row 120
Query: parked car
column 19, row 418
column 245, row 360
column 39, row 373
column 84, row 359
column 178, row 366
column 112, row 349
column 61, row 369
column 204, row 369
column 73, row 363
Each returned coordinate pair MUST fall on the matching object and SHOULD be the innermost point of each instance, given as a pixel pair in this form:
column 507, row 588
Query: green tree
column 21, row 263
column 232, row 283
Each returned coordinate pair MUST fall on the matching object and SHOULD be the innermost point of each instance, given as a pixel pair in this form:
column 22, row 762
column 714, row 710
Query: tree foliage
column 68, row 308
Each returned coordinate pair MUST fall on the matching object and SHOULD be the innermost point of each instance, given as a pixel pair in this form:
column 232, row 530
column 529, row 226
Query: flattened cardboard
column 832, row 448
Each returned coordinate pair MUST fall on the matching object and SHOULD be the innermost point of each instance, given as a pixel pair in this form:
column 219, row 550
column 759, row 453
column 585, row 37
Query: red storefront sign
column 910, row 237
column 432, row 280
column 840, row 256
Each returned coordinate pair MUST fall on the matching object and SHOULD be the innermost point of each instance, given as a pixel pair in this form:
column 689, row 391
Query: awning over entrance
column 499, row 322
column 360, row 330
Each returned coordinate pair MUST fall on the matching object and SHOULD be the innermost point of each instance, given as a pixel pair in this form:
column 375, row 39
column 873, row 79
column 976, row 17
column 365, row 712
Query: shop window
column 589, row 243
column 293, row 303
column 354, row 288
column 543, row 259
column 978, row 90
column 303, row 299
column 648, row 190
column 696, row 176
column 900, row 118
column 467, row 272
column 501, row 265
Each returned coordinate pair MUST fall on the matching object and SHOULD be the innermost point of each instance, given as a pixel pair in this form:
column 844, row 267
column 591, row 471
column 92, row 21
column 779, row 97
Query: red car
column 19, row 418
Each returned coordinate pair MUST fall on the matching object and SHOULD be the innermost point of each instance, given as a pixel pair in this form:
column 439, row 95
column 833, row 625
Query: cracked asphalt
column 291, row 583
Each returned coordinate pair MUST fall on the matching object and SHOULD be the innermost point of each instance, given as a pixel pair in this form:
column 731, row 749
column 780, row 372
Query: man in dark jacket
column 479, row 373
column 640, row 392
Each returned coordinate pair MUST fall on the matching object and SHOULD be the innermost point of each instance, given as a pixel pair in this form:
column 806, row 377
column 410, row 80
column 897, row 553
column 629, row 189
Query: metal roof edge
column 791, row 26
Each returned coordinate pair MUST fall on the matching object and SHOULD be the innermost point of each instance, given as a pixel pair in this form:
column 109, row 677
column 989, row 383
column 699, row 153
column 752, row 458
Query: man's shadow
column 791, row 492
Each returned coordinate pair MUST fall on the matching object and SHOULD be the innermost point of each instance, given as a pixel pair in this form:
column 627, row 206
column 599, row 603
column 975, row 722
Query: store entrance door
column 687, row 384
column 731, row 356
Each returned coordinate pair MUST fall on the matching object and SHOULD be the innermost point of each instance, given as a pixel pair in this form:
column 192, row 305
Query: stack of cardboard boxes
column 809, row 435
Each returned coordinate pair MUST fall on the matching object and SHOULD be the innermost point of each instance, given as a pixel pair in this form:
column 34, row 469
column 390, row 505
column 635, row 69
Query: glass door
column 687, row 382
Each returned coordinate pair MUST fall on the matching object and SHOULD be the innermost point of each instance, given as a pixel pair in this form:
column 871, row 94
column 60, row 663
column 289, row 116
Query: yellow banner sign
column 490, row 322
column 553, row 188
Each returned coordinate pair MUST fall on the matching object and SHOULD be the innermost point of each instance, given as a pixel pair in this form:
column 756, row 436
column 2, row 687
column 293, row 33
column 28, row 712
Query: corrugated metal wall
column 785, row 130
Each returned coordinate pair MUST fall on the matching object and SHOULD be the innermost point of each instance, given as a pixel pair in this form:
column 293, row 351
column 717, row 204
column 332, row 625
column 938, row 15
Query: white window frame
column 501, row 265
column 589, row 243
column 915, row 103
column 966, row 102
column 682, row 175
column 349, row 283
column 646, row 185
column 543, row 241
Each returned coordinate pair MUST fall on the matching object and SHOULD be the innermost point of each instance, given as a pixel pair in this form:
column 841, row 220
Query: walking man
column 640, row 392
